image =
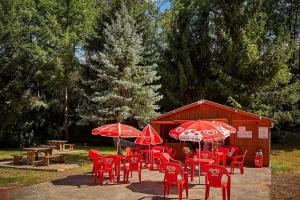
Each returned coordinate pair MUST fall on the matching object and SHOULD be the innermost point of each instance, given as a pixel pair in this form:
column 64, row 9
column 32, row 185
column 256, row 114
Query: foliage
column 123, row 86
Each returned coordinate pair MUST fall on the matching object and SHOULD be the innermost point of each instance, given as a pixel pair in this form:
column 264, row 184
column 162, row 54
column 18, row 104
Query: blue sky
column 165, row 5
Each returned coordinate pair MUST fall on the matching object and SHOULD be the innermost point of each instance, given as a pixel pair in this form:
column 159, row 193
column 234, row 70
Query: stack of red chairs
column 214, row 178
column 107, row 164
column 172, row 173
column 133, row 162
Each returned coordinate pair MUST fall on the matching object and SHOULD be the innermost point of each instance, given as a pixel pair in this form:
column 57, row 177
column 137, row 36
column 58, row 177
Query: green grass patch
column 286, row 156
column 29, row 177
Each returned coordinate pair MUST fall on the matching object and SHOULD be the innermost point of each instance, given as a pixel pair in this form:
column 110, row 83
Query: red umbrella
column 225, row 126
column 148, row 136
column 196, row 131
column 116, row 130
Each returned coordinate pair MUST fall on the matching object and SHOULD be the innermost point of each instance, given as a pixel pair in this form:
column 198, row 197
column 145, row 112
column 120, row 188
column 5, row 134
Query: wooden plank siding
column 208, row 110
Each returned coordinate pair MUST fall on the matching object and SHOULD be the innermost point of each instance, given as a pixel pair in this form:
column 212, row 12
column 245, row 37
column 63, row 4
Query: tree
column 65, row 25
column 123, row 87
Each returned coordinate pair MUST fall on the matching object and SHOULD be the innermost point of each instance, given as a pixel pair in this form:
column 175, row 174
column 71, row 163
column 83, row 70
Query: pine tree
column 123, row 86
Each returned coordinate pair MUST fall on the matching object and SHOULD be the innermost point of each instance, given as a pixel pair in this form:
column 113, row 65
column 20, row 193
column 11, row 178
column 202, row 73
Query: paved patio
column 253, row 184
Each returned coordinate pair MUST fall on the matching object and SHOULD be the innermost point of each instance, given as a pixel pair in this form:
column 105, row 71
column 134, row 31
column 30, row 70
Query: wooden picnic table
column 60, row 143
column 32, row 153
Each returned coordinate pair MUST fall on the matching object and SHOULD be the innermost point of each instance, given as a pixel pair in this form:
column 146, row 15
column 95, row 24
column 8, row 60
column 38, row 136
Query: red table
column 199, row 162
column 148, row 157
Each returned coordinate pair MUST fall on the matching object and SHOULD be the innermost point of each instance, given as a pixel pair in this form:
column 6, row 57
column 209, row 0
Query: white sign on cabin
column 244, row 134
column 263, row 132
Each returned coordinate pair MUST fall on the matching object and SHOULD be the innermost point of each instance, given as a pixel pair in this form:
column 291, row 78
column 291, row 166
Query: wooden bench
column 57, row 157
column 18, row 157
column 70, row 146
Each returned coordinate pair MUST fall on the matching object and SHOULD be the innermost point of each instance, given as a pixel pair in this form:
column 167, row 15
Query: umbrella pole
column 199, row 158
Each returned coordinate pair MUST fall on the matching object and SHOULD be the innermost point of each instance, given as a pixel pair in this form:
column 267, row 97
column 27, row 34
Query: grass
column 286, row 156
column 30, row 177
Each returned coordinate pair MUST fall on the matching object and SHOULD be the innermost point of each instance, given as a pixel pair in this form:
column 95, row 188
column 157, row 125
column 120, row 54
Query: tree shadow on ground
column 79, row 180
column 154, row 188
column 161, row 198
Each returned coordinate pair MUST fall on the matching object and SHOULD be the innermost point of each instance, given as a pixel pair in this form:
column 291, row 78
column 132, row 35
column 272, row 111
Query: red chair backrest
column 94, row 154
column 158, row 148
column 134, row 161
column 206, row 154
column 233, row 150
column 108, row 162
column 172, row 170
column 165, row 157
column 214, row 174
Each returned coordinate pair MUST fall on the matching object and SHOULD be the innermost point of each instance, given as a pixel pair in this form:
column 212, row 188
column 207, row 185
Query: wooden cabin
column 253, row 131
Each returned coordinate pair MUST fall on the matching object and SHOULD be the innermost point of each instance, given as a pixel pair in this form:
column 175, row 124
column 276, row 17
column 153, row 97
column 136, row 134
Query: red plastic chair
column 172, row 172
column 170, row 150
column 238, row 160
column 223, row 158
column 156, row 155
column 187, row 154
column 94, row 155
column 233, row 150
column 134, row 162
column 106, row 165
column 213, row 178
column 206, row 154
column 166, row 158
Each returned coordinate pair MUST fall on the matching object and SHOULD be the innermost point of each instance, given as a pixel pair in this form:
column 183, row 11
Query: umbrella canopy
column 148, row 136
column 196, row 131
column 225, row 126
column 116, row 130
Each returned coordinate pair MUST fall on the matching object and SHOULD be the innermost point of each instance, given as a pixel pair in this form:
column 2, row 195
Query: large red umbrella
column 148, row 136
column 196, row 131
column 117, row 130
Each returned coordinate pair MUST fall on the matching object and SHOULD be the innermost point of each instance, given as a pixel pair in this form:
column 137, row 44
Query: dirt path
column 285, row 186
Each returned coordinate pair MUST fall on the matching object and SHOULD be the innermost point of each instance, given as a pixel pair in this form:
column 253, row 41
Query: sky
column 166, row 5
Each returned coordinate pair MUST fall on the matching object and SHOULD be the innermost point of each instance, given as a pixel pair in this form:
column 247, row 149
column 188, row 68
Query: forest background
column 56, row 58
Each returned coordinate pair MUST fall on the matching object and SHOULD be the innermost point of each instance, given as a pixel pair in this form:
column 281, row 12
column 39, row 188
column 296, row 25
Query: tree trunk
column 66, row 113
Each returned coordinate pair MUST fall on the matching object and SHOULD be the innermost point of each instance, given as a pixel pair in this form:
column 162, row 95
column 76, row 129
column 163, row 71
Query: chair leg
column 228, row 192
column 95, row 174
column 224, row 193
column 232, row 168
column 187, row 190
column 124, row 176
column 207, row 189
column 192, row 171
column 242, row 168
column 165, row 189
column 140, row 175
column 180, row 191
column 101, row 178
